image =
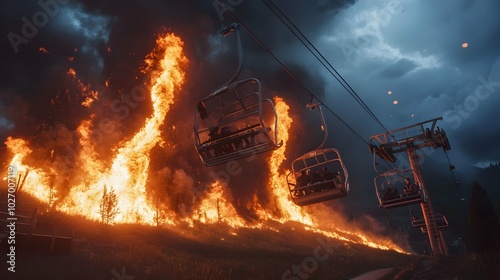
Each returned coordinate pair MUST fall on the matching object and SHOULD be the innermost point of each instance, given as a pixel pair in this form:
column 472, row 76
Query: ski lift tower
column 409, row 139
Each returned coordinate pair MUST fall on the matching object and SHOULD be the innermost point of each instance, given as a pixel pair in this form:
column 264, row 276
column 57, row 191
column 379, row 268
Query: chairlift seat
column 210, row 158
column 318, row 192
column 402, row 200
column 237, row 106
column 441, row 223
column 417, row 222
column 395, row 178
column 325, row 190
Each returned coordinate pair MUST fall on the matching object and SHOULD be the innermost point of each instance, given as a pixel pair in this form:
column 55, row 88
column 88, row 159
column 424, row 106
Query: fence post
column 34, row 216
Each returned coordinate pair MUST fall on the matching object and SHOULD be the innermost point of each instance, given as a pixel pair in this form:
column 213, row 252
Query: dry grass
column 200, row 252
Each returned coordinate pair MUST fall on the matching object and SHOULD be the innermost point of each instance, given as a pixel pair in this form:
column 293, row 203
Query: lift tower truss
column 409, row 139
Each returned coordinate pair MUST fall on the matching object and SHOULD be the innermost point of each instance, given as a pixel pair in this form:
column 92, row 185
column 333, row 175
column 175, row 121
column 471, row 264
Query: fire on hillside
column 126, row 173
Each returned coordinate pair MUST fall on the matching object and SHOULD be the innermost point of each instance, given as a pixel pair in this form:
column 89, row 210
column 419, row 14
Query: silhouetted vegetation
column 483, row 224
column 108, row 208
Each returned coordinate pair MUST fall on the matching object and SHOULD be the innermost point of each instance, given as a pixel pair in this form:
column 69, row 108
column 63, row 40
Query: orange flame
column 216, row 208
column 277, row 182
column 127, row 171
column 36, row 176
column 89, row 95
column 292, row 212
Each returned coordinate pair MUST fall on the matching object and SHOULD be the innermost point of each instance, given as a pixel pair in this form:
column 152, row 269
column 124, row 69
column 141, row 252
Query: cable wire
column 289, row 72
column 323, row 60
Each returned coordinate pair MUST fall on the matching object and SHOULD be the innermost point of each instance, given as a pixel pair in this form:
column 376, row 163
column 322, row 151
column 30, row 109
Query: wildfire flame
column 36, row 176
column 292, row 212
column 126, row 173
column 277, row 182
column 216, row 208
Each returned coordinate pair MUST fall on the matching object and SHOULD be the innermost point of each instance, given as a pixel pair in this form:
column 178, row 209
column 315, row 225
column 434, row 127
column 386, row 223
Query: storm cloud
column 411, row 48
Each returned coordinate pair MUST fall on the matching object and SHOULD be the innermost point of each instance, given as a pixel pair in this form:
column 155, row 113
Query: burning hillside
column 76, row 184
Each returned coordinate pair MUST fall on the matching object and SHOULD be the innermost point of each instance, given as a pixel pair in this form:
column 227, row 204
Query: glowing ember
column 89, row 95
column 71, row 72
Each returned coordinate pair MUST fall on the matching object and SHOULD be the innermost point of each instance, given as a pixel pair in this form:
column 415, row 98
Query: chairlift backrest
column 243, row 122
column 318, row 176
column 234, row 121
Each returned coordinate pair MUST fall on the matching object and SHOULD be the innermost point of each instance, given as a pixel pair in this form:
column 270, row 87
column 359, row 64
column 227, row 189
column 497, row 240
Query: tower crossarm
column 418, row 135
column 409, row 139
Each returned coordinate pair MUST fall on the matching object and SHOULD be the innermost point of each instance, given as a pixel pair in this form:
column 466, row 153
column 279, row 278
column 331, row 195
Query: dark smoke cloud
column 105, row 43
column 413, row 50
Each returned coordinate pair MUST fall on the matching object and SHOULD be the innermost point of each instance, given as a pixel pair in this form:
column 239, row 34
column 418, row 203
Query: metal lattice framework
column 408, row 140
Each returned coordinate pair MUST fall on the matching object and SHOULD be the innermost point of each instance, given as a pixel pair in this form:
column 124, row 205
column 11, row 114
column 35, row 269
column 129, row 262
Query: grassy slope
column 199, row 252
column 218, row 252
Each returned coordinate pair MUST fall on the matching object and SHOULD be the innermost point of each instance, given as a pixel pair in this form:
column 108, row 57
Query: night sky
column 438, row 59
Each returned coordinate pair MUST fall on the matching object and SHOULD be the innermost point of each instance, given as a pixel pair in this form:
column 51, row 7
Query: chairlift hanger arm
column 228, row 29
column 311, row 106
column 225, row 88
column 225, row 31
column 229, row 11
